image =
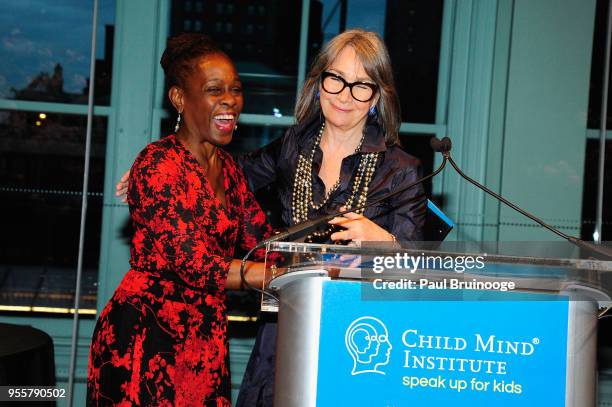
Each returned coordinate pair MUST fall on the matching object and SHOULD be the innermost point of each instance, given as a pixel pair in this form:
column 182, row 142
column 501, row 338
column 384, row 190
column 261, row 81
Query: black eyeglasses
column 360, row 91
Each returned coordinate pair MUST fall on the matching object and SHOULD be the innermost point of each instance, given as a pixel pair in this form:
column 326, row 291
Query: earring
column 318, row 94
column 372, row 111
column 235, row 127
column 177, row 126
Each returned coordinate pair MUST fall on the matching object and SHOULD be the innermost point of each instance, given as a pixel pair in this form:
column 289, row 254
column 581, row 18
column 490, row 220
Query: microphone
column 440, row 146
column 444, row 146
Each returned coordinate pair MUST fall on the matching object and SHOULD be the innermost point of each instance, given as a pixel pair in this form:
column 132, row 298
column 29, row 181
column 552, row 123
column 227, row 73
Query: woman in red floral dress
column 161, row 340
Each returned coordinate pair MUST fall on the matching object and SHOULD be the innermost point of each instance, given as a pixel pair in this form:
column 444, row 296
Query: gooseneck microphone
column 444, row 146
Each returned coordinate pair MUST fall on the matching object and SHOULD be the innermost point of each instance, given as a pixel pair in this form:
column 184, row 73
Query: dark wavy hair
column 373, row 54
column 179, row 57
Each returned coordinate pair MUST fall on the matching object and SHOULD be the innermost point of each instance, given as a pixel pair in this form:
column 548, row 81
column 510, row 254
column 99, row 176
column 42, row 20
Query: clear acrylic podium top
column 530, row 266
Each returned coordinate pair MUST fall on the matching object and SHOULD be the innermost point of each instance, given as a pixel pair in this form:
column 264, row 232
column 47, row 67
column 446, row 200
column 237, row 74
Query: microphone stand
column 445, row 147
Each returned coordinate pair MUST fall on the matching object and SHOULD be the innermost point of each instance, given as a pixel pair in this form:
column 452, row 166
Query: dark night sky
column 37, row 34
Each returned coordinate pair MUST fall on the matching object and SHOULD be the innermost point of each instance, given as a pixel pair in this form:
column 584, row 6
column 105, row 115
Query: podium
column 385, row 326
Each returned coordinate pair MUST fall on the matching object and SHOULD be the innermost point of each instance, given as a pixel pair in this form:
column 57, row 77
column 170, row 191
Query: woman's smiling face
column 212, row 99
column 341, row 109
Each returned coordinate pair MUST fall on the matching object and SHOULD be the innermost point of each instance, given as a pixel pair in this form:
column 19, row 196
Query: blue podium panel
column 441, row 353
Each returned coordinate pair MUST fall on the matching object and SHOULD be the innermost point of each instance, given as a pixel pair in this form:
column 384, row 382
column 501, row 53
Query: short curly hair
column 178, row 59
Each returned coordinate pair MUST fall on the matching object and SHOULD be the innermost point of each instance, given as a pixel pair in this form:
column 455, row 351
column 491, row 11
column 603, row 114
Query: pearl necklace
column 302, row 200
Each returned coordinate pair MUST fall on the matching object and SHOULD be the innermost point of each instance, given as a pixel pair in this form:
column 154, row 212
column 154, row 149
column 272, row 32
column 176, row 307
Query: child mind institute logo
column 367, row 341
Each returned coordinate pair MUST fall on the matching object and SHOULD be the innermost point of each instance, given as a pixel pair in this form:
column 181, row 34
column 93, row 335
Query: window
column 45, row 51
column 41, row 167
column 268, row 63
column 411, row 37
column 45, row 77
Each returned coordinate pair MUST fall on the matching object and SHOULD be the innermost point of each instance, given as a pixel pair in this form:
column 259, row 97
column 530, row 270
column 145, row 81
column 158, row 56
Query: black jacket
column 403, row 215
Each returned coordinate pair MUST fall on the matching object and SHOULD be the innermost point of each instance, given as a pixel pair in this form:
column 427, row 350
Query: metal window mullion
column 444, row 64
column 422, row 128
column 77, row 293
column 50, row 107
column 444, row 80
column 302, row 56
column 603, row 130
column 596, row 134
column 163, row 32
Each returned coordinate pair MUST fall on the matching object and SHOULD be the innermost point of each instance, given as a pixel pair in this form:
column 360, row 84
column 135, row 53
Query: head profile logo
column 367, row 341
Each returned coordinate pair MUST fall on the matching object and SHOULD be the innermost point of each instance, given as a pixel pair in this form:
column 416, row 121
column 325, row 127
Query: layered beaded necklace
column 302, row 187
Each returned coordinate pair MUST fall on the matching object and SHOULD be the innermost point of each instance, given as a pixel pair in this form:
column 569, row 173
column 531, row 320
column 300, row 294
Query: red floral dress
column 161, row 339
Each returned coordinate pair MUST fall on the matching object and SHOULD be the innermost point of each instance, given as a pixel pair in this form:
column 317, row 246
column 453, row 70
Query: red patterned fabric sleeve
column 253, row 226
column 168, row 216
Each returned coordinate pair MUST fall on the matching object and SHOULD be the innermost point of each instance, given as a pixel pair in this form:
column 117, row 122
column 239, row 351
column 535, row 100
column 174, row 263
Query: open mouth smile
column 225, row 122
